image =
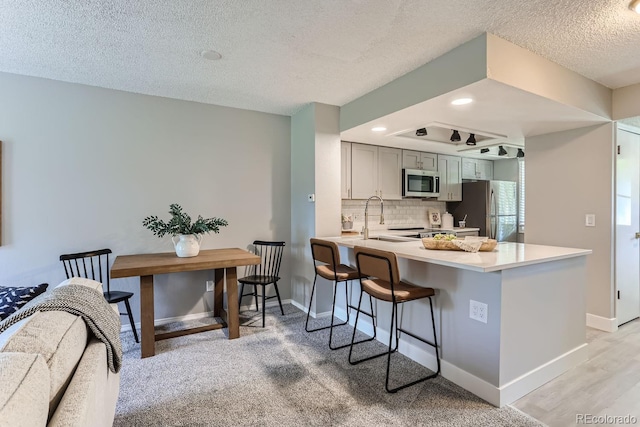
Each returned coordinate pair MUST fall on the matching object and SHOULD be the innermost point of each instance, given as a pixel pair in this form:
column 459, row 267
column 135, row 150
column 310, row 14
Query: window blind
column 521, row 195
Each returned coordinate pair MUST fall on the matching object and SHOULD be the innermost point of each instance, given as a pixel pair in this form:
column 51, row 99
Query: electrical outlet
column 209, row 285
column 478, row 311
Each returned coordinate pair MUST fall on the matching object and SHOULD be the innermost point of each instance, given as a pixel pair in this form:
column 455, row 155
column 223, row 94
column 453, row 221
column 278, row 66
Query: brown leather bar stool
column 327, row 253
column 380, row 278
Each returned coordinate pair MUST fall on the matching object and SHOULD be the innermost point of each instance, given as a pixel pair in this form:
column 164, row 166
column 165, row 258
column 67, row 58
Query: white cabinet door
column 429, row 161
column 484, row 169
column 419, row 160
column 345, row 170
column 411, row 159
column 364, row 171
column 469, row 168
column 477, row 169
column 454, row 178
column 390, row 173
column 450, row 168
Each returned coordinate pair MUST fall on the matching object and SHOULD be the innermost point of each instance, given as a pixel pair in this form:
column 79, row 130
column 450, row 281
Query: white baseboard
column 497, row 396
column 126, row 326
column 535, row 378
column 602, row 323
column 313, row 313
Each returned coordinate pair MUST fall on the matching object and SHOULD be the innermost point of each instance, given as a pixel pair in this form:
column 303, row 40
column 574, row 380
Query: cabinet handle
column 349, row 192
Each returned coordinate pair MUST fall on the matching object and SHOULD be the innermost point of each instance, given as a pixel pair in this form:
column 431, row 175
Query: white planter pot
column 187, row 245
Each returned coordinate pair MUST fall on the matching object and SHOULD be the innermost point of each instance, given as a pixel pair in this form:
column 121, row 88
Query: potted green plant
column 185, row 235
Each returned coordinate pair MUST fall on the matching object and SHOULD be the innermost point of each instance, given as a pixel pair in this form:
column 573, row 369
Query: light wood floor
column 608, row 383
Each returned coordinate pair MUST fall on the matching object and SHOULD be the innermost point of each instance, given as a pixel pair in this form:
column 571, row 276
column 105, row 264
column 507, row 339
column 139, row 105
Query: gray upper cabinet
column 450, row 178
column 376, row 171
column 345, row 170
column 419, row 160
column 390, row 173
column 477, row 169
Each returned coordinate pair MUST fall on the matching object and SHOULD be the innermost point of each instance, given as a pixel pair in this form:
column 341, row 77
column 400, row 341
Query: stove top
column 406, row 228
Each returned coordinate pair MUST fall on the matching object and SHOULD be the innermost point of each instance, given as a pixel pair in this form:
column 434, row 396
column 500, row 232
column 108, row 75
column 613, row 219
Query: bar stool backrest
column 377, row 263
column 326, row 252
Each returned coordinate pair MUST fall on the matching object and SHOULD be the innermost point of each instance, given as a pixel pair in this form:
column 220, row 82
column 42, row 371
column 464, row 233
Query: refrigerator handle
column 493, row 222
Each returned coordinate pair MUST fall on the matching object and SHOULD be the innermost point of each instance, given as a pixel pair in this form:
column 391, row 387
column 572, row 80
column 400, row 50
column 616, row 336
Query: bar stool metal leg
column 433, row 344
column 355, row 328
column 306, row 325
column 348, row 306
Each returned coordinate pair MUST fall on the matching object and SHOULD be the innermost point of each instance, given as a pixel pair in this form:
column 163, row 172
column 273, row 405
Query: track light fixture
column 635, row 6
column 502, row 151
column 421, row 132
column 471, row 140
column 455, row 136
column 520, row 153
column 484, row 150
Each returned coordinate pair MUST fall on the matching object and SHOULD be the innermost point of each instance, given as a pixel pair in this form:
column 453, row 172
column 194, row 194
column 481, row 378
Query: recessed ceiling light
column 635, row 6
column 464, row 101
column 211, row 55
column 379, row 129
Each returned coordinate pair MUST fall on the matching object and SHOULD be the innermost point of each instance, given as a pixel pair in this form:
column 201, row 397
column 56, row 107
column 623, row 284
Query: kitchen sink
column 393, row 239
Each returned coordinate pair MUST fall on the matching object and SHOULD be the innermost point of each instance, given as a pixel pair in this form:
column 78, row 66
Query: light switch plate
column 590, row 220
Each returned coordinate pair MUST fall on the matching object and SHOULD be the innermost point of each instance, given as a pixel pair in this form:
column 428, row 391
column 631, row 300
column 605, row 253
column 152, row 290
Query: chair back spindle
column 83, row 264
column 271, row 257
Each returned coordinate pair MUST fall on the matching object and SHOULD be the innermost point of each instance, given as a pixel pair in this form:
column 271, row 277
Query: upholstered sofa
column 54, row 372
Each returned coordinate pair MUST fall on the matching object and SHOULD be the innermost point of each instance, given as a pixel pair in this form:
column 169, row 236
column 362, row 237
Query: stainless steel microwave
column 420, row 183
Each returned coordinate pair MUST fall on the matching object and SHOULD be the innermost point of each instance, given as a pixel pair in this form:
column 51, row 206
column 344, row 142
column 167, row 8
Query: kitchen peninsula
column 535, row 312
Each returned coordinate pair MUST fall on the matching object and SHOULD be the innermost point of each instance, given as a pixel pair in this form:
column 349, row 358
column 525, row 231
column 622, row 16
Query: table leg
column 233, row 315
column 147, row 330
column 218, row 294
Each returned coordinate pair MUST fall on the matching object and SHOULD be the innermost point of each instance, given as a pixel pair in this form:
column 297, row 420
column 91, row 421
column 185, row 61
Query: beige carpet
column 283, row 376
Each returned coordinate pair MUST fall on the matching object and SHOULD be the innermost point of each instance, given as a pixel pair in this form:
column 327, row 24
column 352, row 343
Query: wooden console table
column 223, row 261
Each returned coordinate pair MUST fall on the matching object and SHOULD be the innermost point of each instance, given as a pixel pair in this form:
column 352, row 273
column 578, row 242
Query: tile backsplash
column 397, row 213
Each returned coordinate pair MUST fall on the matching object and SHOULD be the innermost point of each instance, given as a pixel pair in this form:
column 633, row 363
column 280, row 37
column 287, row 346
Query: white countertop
column 506, row 255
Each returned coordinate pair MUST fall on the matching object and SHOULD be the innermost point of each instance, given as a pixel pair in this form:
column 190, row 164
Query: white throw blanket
column 85, row 302
column 470, row 243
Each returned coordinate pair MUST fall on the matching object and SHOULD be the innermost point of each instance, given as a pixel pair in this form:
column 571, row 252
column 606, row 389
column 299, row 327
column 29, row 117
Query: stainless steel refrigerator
column 490, row 205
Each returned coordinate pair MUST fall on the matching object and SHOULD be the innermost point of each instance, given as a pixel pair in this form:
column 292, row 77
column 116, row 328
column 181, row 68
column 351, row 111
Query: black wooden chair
column 92, row 265
column 263, row 274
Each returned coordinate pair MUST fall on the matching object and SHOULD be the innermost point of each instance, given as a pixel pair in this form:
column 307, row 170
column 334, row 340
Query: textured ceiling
column 278, row 55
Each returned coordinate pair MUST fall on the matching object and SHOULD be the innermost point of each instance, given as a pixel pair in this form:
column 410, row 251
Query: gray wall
column 82, row 166
column 315, row 169
column 303, row 213
column 568, row 175
column 505, row 170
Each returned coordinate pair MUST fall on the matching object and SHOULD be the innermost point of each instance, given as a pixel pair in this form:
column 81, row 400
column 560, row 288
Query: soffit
column 507, row 113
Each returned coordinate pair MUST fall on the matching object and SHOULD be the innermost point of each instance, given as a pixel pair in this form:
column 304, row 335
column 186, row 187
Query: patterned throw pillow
column 12, row 298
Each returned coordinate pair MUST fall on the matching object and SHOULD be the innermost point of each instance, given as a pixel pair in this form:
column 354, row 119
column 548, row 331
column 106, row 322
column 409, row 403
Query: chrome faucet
column 366, row 215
